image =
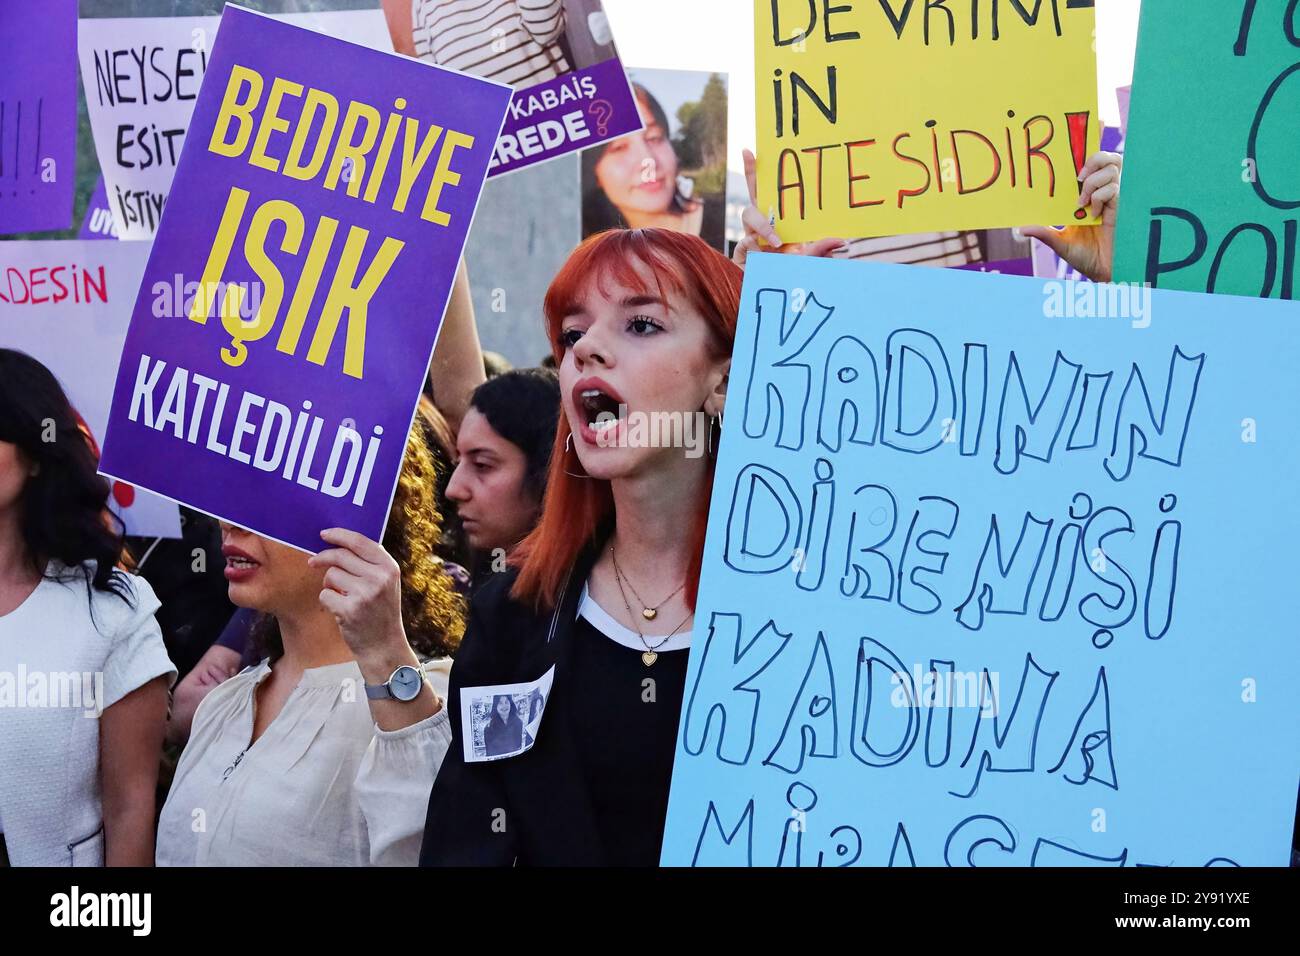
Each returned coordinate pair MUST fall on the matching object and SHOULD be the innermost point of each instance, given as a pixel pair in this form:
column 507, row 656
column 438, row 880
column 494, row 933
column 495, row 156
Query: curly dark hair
column 64, row 504
column 433, row 613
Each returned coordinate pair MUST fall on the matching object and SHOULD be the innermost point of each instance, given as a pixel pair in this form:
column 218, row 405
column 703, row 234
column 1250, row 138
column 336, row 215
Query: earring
column 568, row 447
column 712, row 419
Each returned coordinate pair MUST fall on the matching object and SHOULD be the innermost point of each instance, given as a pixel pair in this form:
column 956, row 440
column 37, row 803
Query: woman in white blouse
column 83, row 669
column 324, row 754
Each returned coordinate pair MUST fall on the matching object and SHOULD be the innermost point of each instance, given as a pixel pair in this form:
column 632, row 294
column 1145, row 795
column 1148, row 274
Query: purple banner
column 98, row 223
column 38, row 115
column 298, row 280
column 572, row 112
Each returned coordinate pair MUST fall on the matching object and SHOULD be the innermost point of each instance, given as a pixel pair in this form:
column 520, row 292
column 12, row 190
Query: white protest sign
column 68, row 304
column 141, row 76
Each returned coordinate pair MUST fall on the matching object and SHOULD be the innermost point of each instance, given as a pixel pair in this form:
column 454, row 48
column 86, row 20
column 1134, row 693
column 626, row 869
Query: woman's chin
column 612, row 464
column 651, row 206
column 246, row 594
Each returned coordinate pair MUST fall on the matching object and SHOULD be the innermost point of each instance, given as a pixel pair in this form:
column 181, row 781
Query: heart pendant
column 649, row 614
column 649, row 657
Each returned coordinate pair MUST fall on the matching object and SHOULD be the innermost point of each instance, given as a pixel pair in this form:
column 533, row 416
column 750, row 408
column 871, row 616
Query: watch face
column 405, row 683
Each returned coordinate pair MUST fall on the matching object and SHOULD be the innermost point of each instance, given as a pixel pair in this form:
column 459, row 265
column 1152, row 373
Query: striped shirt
column 929, row 249
column 510, row 41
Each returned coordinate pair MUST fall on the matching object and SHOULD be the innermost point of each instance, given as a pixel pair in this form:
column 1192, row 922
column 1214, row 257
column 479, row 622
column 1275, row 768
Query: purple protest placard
column 98, row 222
column 298, row 280
column 572, row 112
column 570, row 89
column 38, row 115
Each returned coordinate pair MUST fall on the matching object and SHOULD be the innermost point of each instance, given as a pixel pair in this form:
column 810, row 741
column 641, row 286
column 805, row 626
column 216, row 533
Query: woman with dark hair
column 504, row 733
column 505, row 449
column 73, row 791
column 323, row 754
column 603, row 590
column 633, row 182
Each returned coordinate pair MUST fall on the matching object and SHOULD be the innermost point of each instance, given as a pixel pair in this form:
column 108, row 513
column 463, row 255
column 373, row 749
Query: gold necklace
column 649, row 611
column 651, row 653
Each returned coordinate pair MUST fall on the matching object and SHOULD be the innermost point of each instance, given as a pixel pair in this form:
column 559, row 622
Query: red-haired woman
column 603, row 591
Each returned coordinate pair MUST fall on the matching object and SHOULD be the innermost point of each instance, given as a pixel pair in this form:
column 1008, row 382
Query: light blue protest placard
column 999, row 571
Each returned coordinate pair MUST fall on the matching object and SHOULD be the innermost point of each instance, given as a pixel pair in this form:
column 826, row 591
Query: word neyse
column 927, row 400
column 276, row 439
column 122, row 78
column 305, row 133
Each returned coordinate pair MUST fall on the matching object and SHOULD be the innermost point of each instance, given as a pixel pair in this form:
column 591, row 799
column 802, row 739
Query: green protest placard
column 1212, row 176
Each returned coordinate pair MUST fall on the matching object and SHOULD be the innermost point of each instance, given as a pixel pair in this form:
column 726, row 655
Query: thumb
column 1052, row 238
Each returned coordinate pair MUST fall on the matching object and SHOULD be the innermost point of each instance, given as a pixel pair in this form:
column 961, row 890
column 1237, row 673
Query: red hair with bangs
column 575, row 508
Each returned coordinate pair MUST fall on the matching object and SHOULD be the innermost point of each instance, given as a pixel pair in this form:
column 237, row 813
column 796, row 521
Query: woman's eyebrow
column 639, row 301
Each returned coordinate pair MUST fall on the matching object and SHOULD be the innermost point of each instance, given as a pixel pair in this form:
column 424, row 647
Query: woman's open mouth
column 601, row 409
column 239, row 565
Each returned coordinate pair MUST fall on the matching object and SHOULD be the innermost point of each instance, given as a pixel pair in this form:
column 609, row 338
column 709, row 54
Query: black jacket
column 533, row 809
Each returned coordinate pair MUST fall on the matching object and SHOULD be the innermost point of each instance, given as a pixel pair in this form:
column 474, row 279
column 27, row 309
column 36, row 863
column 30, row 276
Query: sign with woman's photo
column 673, row 173
column 571, row 92
column 503, row 720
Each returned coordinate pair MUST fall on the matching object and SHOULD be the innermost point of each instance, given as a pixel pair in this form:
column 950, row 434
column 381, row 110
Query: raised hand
column 760, row 234
column 1090, row 249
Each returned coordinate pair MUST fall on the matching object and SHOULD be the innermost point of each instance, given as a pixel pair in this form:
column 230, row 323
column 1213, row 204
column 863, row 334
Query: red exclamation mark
column 1078, row 125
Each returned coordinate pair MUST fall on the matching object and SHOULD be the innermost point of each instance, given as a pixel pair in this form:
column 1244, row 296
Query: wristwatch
column 403, row 685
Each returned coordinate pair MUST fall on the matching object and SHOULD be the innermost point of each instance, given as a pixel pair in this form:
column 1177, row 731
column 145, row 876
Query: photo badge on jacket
column 502, row 720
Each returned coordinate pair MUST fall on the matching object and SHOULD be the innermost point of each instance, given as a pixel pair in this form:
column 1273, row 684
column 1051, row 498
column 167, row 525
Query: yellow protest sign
column 886, row 117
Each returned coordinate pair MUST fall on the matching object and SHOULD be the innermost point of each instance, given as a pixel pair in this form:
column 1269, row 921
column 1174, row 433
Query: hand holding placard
column 760, row 231
column 1090, row 249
